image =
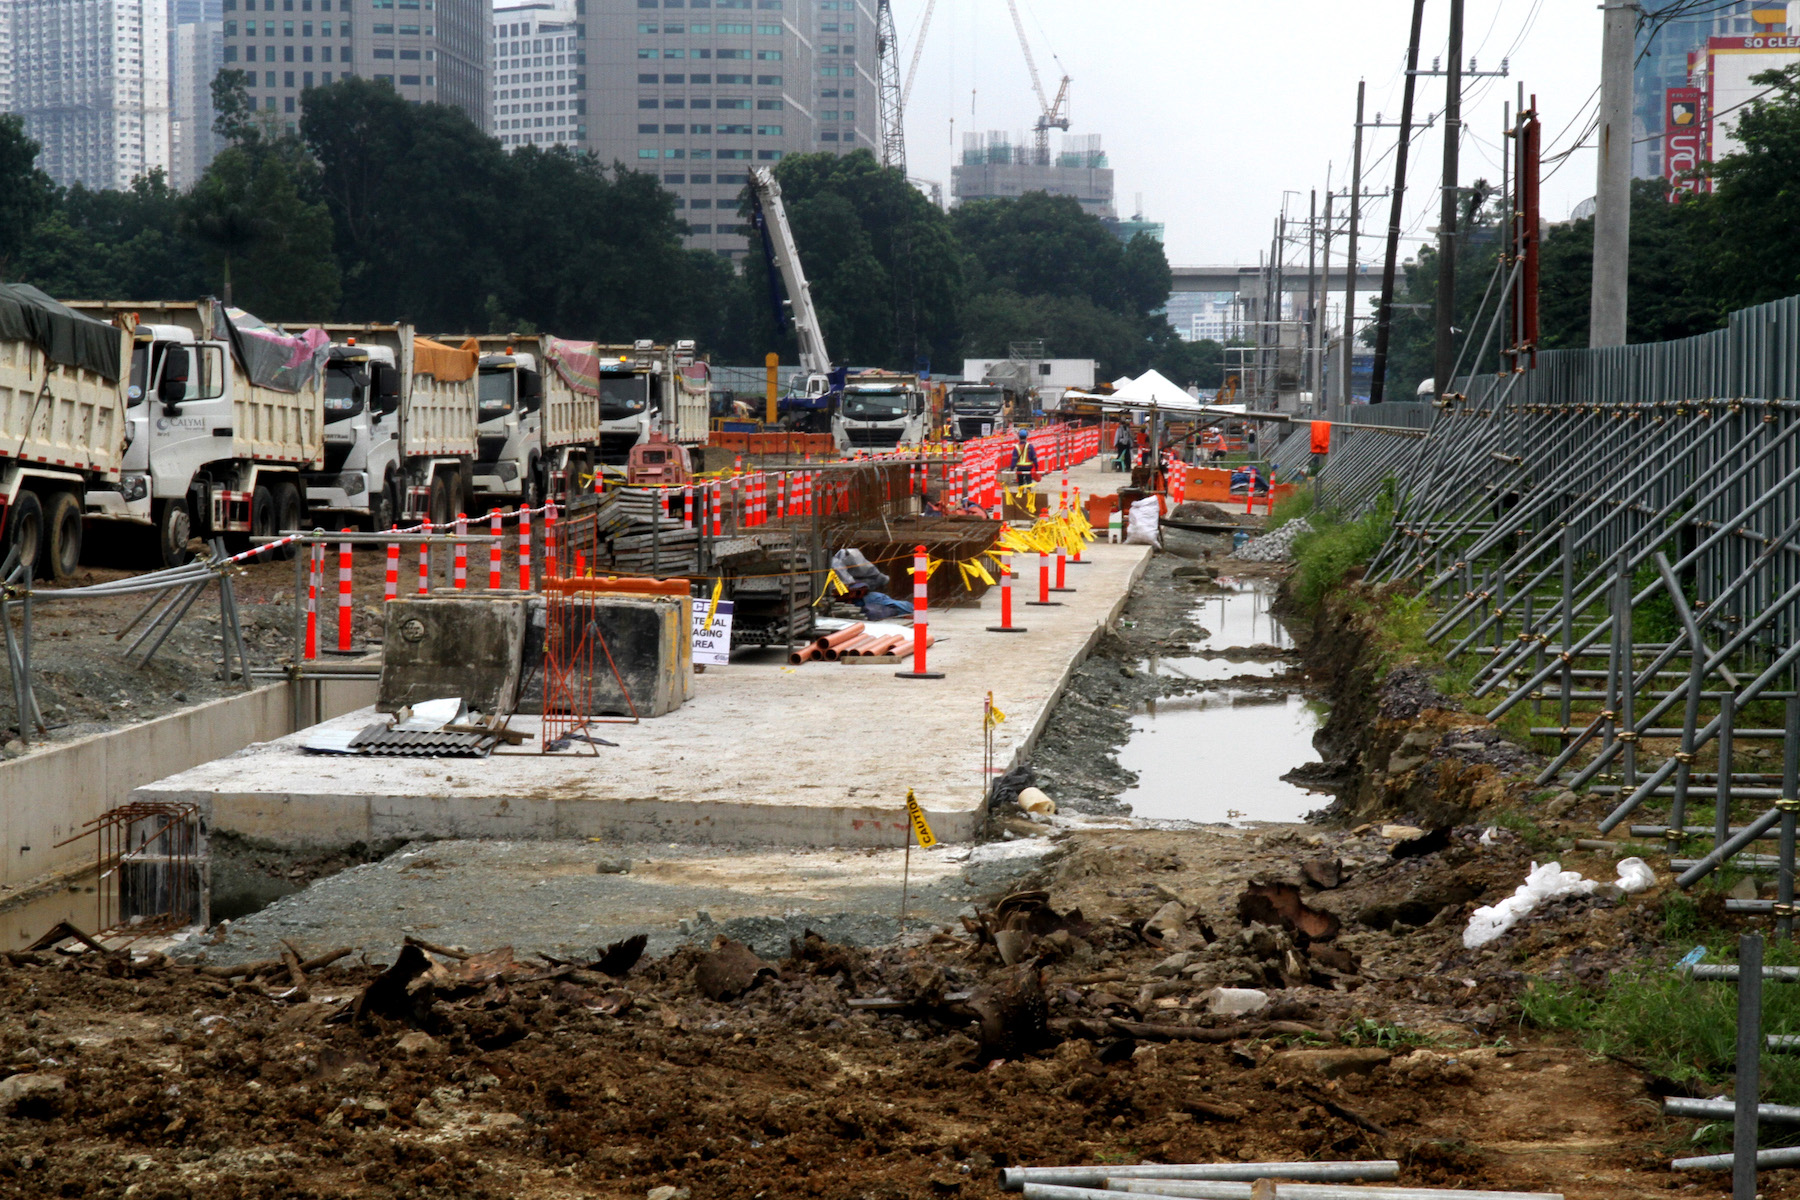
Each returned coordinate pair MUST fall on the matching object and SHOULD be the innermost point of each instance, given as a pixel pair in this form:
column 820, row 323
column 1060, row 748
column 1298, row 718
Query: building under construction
column 993, row 167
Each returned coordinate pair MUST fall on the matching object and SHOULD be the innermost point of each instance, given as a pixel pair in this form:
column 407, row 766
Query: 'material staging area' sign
column 712, row 639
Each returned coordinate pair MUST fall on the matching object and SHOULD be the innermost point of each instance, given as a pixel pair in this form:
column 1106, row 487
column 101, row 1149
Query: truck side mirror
column 531, row 390
column 385, row 382
column 172, row 390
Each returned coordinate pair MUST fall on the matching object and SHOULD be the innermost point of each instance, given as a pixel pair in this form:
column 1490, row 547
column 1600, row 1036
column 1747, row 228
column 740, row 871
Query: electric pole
column 1384, row 312
column 1312, row 293
column 1350, row 251
column 1612, row 192
column 1445, row 358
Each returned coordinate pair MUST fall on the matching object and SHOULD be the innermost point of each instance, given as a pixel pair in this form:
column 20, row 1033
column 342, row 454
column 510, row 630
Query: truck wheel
column 288, row 514
column 173, row 529
column 24, row 529
column 381, row 508
column 440, row 511
column 262, row 520
column 62, row 536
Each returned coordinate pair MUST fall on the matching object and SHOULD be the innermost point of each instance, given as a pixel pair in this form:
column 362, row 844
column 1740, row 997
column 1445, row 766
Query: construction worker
column 1122, row 444
column 1025, row 462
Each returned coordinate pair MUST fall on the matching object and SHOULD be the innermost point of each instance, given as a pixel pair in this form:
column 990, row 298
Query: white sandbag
column 1548, row 882
column 1142, row 522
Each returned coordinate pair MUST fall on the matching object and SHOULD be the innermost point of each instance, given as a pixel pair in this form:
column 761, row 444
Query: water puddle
column 1217, row 755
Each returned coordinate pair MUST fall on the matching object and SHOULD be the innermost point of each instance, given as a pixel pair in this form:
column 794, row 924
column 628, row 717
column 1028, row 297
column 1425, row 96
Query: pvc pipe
column 1788, row 1156
column 1337, row 1171
column 1219, row 1190
column 797, row 657
column 1682, row 1106
column 839, row 638
column 905, row 648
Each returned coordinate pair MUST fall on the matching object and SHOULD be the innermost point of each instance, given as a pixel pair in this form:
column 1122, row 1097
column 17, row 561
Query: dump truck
column 880, row 410
column 62, row 424
column 225, row 415
column 400, row 417
column 643, row 389
column 973, row 410
column 534, row 428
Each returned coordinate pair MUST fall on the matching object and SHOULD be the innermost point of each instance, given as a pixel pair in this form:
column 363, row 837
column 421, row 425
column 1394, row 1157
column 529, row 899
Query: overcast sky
column 1212, row 108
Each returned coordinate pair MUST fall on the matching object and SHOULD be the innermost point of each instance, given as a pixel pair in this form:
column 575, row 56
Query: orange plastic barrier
column 636, row 585
column 1214, row 486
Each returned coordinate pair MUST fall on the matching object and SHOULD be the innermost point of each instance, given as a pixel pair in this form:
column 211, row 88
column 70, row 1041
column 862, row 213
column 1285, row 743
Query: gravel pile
column 1273, row 547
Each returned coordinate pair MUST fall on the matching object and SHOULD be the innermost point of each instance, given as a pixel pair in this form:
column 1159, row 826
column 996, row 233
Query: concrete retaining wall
column 49, row 795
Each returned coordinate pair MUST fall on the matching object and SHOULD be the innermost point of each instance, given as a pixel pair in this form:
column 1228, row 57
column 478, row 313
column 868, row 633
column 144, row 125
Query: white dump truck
column 400, row 418
column 974, row 410
column 643, row 389
column 62, row 424
column 534, row 426
column 225, row 414
column 880, row 410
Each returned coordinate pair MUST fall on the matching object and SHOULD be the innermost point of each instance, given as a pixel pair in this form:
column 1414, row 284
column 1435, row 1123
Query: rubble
column 1276, row 546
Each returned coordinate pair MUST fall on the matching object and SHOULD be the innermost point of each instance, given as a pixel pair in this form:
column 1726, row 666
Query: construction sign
column 920, row 829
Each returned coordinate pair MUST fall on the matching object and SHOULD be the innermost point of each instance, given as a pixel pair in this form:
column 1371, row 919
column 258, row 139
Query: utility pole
column 1350, row 253
column 1319, row 317
column 1312, row 293
column 1445, row 358
column 1384, row 312
column 1612, row 192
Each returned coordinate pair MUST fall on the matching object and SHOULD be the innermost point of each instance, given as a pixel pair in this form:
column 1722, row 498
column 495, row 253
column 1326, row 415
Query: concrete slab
column 566, row 898
column 764, row 753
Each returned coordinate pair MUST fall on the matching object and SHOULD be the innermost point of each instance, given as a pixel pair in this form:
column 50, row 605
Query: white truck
column 400, row 417
column 643, row 389
column 533, row 425
column 880, row 410
column 974, row 410
column 224, row 415
column 62, row 425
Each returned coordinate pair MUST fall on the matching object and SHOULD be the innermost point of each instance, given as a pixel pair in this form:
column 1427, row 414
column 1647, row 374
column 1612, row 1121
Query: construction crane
column 893, row 103
column 1052, row 114
column 818, row 387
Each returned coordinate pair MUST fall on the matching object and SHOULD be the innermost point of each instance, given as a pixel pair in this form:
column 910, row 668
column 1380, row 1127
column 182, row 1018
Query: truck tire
column 289, row 513
column 382, row 512
column 262, row 521
column 24, row 529
column 174, row 527
column 61, row 553
column 440, row 512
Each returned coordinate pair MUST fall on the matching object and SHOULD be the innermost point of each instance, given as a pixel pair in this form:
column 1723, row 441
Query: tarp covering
column 452, row 364
column 64, row 335
column 269, row 358
column 578, row 363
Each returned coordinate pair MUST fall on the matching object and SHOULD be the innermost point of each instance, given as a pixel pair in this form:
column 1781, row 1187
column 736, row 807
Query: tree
column 883, row 265
column 234, row 115
column 1412, row 339
column 114, row 244
column 1043, row 245
column 1070, row 326
column 26, row 193
column 248, row 213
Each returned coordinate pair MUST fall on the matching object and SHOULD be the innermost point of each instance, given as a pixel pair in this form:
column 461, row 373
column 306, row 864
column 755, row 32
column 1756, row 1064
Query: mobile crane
column 813, row 394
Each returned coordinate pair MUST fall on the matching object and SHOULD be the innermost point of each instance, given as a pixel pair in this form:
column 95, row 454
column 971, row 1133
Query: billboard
column 1731, row 64
column 1683, row 140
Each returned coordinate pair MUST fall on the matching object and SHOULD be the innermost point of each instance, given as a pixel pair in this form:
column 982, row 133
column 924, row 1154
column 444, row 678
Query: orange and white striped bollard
column 494, row 564
column 390, row 588
column 921, row 626
column 460, row 576
column 524, row 549
column 312, row 600
column 344, row 612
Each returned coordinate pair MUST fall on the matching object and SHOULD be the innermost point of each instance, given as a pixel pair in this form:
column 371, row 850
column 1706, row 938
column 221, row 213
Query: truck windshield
column 623, row 396
column 341, row 400
column 496, row 394
column 864, row 406
column 976, row 402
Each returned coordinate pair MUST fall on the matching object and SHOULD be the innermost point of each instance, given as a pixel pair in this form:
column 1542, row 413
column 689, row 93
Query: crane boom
column 912, row 68
column 814, row 360
column 1030, row 62
column 890, row 105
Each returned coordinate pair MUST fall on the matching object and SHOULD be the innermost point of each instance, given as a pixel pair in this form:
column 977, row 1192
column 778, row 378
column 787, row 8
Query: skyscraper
column 91, row 80
column 697, row 91
column 429, row 50
column 196, row 51
column 534, row 74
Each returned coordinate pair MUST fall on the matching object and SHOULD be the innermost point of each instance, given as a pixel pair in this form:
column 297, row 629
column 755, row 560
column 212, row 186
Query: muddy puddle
column 1217, row 754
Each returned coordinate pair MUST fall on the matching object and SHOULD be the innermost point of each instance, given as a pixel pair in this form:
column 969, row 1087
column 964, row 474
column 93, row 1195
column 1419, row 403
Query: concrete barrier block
column 651, row 644
column 439, row 647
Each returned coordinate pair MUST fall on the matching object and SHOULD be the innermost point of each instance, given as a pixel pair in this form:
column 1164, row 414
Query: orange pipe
column 856, row 646
column 803, row 656
column 906, row 648
column 883, row 646
column 840, row 637
column 846, row 649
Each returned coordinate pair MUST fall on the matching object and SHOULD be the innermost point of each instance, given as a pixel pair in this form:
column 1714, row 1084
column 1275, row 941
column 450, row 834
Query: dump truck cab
column 362, row 447
column 510, row 394
column 879, row 412
column 976, row 410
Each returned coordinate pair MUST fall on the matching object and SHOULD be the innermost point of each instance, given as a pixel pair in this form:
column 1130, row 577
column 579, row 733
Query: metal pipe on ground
column 827, row 641
column 1788, row 1156
column 905, row 648
column 1220, row 1190
column 1012, row 1179
column 1682, row 1106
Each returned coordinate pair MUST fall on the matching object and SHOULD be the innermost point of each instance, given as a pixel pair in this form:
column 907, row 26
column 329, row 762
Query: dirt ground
column 914, row 1069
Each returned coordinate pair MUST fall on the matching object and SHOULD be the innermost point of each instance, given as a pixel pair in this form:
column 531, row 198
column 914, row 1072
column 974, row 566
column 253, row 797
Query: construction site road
column 765, row 753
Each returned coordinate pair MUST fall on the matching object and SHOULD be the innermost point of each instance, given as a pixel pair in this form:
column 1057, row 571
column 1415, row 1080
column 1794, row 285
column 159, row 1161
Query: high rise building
column 698, row 91
column 6, row 21
column 91, row 80
column 995, row 169
column 196, row 51
column 429, row 50
column 1671, row 53
column 534, row 74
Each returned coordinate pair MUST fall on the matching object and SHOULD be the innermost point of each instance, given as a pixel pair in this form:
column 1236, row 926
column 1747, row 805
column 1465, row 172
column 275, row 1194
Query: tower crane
column 1052, row 114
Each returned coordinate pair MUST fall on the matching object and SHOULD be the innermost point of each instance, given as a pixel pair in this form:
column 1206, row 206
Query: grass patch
column 1366, row 1032
column 1291, row 507
column 1335, row 546
column 1670, row 1025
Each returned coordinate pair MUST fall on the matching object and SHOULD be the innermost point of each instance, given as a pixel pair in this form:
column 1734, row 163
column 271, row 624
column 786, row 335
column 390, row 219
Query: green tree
column 114, row 243
column 271, row 247
column 1413, row 338
column 1071, row 327
column 234, row 114
column 881, row 260
column 1745, row 234
column 1044, row 245
column 26, row 193
column 1199, row 363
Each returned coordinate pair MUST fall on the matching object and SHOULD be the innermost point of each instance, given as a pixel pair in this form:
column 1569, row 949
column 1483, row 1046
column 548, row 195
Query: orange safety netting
column 453, row 364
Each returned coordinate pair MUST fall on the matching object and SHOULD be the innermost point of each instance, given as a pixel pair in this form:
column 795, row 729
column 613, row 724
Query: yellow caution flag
column 920, row 829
